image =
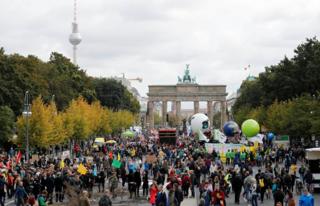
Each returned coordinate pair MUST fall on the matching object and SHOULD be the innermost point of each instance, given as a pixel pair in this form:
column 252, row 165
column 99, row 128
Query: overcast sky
column 154, row 39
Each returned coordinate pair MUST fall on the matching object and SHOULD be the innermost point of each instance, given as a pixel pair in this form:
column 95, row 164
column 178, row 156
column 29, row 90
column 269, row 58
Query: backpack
column 261, row 183
column 105, row 201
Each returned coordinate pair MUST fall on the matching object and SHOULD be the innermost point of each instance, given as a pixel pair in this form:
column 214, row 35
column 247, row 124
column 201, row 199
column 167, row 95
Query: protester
column 2, row 190
column 306, row 199
column 42, row 199
column 153, row 193
column 84, row 199
column 218, row 197
column 176, row 170
column 278, row 196
column 290, row 199
column 20, row 194
column 105, row 199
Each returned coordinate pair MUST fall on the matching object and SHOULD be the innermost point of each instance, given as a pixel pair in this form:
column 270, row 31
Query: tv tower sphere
column 75, row 37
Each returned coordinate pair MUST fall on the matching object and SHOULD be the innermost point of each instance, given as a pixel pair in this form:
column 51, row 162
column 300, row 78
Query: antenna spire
column 75, row 37
column 75, row 11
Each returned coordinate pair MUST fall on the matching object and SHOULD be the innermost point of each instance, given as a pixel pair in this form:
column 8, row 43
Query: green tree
column 67, row 81
column 277, row 117
column 299, row 120
column 290, row 78
column 7, row 123
column 112, row 94
column 173, row 120
column 259, row 114
column 216, row 123
column 157, row 119
column 242, row 114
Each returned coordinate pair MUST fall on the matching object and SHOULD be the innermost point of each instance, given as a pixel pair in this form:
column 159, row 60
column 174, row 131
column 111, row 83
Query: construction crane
column 139, row 79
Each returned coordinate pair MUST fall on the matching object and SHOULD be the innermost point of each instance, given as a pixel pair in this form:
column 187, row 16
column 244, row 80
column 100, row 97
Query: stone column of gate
column 223, row 113
column 178, row 110
column 173, row 107
column 209, row 110
column 196, row 107
column 150, row 115
column 164, row 112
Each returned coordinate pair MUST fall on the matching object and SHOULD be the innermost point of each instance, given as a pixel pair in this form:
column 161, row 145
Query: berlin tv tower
column 75, row 37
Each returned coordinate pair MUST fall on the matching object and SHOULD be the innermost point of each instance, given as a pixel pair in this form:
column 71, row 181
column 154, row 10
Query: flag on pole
column 119, row 157
column 9, row 164
column 18, row 157
column 82, row 169
column 110, row 155
column 61, row 164
column 116, row 164
column 95, row 172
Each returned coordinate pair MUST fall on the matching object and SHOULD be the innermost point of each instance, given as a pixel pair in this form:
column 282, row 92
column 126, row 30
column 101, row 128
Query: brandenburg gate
column 186, row 90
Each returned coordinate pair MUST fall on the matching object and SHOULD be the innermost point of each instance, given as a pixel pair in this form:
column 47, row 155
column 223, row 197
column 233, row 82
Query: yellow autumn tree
column 76, row 119
column 105, row 122
column 97, row 117
column 39, row 125
column 57, row 132
column 121, row 120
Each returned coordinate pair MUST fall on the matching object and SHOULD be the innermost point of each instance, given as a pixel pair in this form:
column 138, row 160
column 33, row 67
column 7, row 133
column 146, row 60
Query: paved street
column 186, row 202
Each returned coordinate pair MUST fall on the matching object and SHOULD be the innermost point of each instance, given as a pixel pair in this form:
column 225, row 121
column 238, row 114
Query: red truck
column 168, row 136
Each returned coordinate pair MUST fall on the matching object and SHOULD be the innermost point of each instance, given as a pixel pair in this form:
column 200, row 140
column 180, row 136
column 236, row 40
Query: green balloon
column 250, row 128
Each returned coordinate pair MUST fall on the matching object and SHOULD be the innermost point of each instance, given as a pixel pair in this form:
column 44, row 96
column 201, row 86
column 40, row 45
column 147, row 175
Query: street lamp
column 27, row 113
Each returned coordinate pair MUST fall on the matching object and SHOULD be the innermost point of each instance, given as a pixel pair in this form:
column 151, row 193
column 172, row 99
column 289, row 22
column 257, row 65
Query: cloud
column 154, row 39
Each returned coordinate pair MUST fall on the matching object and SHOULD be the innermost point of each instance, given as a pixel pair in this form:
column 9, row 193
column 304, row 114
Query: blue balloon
column 230, row 128
column 270, row 136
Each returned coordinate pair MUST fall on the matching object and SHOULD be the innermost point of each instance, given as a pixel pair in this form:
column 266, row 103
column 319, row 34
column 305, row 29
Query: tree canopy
column 58, row 77
column 7, row 123
column 79, row 121
column 74, row 112
column 284, row 96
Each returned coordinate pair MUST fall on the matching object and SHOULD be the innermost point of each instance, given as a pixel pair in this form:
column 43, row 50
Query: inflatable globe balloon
column 250, row 128
column 270, row 136
column 230, row 128
column 200, row 122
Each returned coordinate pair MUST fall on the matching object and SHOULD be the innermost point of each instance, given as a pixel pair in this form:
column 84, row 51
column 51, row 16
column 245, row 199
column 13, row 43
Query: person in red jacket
column 218, row 197
column 186, row 182
column 153, row 193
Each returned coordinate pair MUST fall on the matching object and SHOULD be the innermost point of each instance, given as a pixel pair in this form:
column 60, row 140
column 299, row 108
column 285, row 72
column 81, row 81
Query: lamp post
column 27, row 113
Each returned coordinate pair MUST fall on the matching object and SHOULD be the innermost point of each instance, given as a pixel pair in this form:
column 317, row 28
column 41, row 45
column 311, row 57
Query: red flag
column 9, row 164
column 18, row 157
column 110, row 155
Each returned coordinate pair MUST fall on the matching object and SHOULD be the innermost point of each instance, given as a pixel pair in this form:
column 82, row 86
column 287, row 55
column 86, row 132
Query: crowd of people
column 167, row 174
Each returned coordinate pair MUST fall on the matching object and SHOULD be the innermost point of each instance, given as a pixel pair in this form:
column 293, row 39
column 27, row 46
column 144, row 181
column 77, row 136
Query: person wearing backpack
column 105, row 199
column 261, row 189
